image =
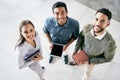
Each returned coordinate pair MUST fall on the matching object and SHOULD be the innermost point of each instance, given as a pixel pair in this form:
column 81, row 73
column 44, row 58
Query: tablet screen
column 57, row 50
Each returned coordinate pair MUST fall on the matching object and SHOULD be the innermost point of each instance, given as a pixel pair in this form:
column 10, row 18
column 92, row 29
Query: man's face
column 100, row 22
column 61, row 15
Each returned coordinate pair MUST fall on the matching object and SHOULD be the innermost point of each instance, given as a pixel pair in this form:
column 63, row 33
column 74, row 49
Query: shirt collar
column 100, row 37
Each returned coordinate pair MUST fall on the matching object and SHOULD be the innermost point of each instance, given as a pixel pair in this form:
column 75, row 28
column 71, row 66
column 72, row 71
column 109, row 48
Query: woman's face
column 28, row 32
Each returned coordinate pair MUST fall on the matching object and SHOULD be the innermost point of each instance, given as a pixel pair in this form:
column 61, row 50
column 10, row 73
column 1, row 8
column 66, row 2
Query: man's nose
column 60, row 16
column 97, row 23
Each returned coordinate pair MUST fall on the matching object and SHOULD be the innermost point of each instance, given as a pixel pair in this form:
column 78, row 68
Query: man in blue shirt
column 61, row 29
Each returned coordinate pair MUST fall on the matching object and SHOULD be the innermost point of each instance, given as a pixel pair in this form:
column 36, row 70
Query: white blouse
column 25, row 49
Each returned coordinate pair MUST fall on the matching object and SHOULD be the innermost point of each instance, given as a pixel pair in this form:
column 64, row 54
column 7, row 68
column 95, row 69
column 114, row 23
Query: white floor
column 12, row 12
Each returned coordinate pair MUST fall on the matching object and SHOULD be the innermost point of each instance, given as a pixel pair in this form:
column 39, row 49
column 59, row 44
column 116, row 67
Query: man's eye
column 57, row 13
column 26, row 32
column 103, row 21
column 96, row 19
column 31, row 30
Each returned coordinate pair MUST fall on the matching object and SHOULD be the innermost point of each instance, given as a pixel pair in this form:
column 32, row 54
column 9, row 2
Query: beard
column 98, row 29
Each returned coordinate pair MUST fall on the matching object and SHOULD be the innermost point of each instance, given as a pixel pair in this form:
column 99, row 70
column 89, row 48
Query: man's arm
column 107, row 56
column 66, row 45
column 49, row 40
column 48, row 37
column 79, row 42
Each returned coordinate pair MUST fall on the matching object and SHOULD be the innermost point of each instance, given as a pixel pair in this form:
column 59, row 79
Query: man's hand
column 65, row 47
column 51, row 45
column 85, row 62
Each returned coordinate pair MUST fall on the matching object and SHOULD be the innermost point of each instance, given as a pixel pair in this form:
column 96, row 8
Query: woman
column 28, row 43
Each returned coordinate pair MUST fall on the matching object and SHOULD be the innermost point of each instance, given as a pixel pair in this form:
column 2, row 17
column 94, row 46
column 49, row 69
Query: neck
column 32, row 43
column 100, row 33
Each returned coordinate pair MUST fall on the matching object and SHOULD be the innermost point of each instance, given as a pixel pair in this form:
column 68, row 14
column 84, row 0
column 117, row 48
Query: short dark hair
column 59, row 4
column 106, row 12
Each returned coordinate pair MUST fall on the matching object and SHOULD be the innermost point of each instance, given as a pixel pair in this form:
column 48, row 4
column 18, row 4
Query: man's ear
column 108, row 24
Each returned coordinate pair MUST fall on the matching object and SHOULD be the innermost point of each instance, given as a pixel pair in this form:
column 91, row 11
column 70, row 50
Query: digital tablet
column 57, row 50
column 29, row 57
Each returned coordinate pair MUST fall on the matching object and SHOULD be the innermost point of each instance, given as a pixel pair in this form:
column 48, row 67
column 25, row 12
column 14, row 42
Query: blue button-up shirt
column 61, row 35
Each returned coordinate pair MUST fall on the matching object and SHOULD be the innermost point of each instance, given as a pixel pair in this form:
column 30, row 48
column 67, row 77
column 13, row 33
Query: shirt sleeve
column 76, row 32
column 39, row 43
column 79, row 42
column 20, row 58
column 45, row 27
column 107, row 56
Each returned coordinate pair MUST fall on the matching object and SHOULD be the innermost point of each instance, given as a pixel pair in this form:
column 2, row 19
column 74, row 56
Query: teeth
column 30, row 37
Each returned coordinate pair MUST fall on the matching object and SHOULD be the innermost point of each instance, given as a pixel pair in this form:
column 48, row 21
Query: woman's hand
column 37, row 57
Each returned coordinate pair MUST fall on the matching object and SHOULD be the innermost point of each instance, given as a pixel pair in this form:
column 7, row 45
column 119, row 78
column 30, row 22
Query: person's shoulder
column 49, row 19
column 19, row 47
column 37, row 36
column 87, row 27
column 73, row 20
column 110, row 38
